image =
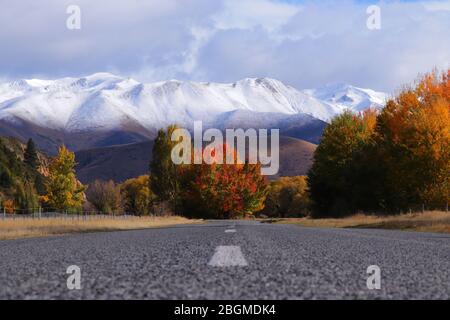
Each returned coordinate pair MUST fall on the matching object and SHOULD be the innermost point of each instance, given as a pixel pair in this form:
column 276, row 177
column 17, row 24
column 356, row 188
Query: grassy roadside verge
column 432, row 221
column 26, row 228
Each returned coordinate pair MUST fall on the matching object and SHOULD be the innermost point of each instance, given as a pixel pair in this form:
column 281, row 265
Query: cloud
column 330, row 42
column 115, row 35
column 248, row 14
column 437, row 5
column 306, row 44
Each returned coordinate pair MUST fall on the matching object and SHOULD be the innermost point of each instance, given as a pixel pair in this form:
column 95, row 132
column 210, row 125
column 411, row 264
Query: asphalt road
column 228, row 260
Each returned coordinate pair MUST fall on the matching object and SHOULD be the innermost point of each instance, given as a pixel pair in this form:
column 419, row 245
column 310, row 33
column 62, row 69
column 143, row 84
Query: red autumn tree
column 224, row 191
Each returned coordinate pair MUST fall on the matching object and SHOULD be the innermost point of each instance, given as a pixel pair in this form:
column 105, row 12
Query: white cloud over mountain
column 302, row 43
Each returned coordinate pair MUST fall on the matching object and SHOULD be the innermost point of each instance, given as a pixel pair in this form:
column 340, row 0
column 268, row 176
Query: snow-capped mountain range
column 104, row 102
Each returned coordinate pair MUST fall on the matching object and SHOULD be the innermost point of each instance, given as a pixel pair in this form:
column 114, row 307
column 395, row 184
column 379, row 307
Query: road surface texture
column 228, row 260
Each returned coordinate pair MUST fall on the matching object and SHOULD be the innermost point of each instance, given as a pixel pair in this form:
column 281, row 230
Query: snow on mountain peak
column 345, row 96
column 104, row 101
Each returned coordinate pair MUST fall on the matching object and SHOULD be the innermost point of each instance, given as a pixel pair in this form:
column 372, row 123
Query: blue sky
column 303, row 43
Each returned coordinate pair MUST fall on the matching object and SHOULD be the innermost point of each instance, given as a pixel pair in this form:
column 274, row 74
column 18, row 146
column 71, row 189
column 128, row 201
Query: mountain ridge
column 104, row 109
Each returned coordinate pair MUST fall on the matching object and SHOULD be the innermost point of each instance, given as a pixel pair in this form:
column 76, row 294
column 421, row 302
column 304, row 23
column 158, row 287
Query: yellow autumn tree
column 64, row 191
column 287, row 197
column 137, row 197
column 414, row 136
column 432, row 130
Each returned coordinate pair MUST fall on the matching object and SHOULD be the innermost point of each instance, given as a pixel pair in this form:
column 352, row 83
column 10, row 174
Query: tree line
column 393, row 161
column 207, row 191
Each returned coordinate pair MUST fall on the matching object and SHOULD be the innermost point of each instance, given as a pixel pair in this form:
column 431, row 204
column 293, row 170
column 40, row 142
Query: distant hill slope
column 296, row 156
column 17, row 147
column 122, row 162
column 116, row 163
column 16, row 178
column 49, row 140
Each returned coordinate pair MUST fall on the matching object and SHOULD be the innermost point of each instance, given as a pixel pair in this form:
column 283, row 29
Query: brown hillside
column 18, row 148
column 122, row 162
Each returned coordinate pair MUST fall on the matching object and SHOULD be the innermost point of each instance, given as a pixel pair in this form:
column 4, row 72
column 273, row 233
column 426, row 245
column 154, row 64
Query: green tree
column 32, row 164
column 64, row 191
column 6, row 178
column 25, row 197
column 16, row 182
column 164, row 182
column 31, row 158
column 11, row 168
column 331, row 177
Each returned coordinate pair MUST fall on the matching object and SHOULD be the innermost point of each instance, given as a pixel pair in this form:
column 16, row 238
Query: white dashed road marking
column 230, row 230
column 228, row 256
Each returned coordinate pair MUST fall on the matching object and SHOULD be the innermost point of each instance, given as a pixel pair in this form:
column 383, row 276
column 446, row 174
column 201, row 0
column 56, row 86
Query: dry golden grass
column 25, row 228
column 431, row 221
